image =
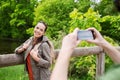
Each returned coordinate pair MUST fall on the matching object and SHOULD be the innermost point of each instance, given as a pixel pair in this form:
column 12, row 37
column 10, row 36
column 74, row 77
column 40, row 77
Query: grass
column 13, row 73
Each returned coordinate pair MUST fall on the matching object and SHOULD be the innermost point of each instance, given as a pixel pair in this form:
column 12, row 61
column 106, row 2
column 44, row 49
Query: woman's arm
column 60, row 70
column 111, row 51
column 19, row 49
column 42, row 55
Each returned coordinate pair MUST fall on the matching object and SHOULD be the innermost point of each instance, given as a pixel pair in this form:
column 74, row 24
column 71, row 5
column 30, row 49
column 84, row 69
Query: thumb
column 90, row 41
column 75, row 30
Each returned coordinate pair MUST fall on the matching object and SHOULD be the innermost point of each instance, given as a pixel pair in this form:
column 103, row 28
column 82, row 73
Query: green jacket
column 112, row 74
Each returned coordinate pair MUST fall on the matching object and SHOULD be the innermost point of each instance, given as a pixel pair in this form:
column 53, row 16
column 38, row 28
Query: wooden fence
column 15, row 59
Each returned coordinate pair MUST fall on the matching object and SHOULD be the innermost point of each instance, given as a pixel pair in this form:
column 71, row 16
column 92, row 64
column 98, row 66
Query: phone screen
column 85, row 35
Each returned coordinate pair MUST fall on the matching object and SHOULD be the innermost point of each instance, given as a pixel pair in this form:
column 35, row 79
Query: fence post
column 100, row 64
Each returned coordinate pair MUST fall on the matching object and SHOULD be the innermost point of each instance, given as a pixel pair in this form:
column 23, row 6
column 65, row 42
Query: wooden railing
column 15, row 59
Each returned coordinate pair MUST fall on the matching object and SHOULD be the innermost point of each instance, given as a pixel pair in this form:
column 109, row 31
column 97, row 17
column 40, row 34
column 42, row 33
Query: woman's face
column 39, row 30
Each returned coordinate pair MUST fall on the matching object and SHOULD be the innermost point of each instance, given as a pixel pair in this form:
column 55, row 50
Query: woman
column 38, row 54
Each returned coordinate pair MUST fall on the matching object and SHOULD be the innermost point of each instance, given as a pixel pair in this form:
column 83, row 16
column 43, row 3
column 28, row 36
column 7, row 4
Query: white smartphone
column 85, row 35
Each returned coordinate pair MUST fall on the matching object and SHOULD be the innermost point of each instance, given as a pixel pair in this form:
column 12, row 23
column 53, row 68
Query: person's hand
column 60, row 70
column 25, row 46
column 99, row 40
column 70, row 41
column 34, row 54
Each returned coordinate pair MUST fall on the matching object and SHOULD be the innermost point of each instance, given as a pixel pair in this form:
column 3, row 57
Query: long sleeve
column 44, row 54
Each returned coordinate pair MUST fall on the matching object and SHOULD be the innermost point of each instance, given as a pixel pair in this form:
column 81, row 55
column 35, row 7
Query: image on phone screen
column 85, row 35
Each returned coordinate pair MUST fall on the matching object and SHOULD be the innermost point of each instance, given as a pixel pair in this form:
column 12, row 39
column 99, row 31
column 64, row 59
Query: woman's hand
column 34, row 54
column 25, row 45
column 99, row 40
column 23, row 48
column 70, row 42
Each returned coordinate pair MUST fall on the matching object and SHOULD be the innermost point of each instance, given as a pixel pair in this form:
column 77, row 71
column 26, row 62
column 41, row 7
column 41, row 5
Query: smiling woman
column 38, row 53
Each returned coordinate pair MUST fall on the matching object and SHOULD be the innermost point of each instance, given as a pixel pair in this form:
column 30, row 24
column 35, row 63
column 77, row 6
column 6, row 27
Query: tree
column 16, row 17
column 5, row 10
column 22, row 17
column 112, row 20
column 56, row 14
column 85, row 20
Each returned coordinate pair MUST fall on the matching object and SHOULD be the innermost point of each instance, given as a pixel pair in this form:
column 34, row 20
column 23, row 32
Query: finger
column 93, row 29
column 78, row 42
column 90, row 41
column 75, row 30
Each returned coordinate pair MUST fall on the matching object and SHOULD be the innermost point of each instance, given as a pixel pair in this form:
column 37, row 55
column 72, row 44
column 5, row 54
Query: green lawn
column 13, row 73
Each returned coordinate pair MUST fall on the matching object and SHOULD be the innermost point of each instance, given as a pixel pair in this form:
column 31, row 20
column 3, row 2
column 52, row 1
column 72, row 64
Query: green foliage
column 57, row 41
column 13, row 73
column 30, row 31
column 55, row 14
column 83, row 5
column 106, row 7
column 16, row 17
column 84, row 67
column 21, row 19
column 110, row 26
column 85, row 20
column 5, row 10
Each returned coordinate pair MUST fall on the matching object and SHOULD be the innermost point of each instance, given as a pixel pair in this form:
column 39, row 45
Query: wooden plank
column 15, row 59
column 100, row 64
column 11, row 60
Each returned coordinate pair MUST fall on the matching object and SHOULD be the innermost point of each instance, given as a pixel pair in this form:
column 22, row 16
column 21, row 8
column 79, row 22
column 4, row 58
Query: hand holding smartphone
column 85, row 35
